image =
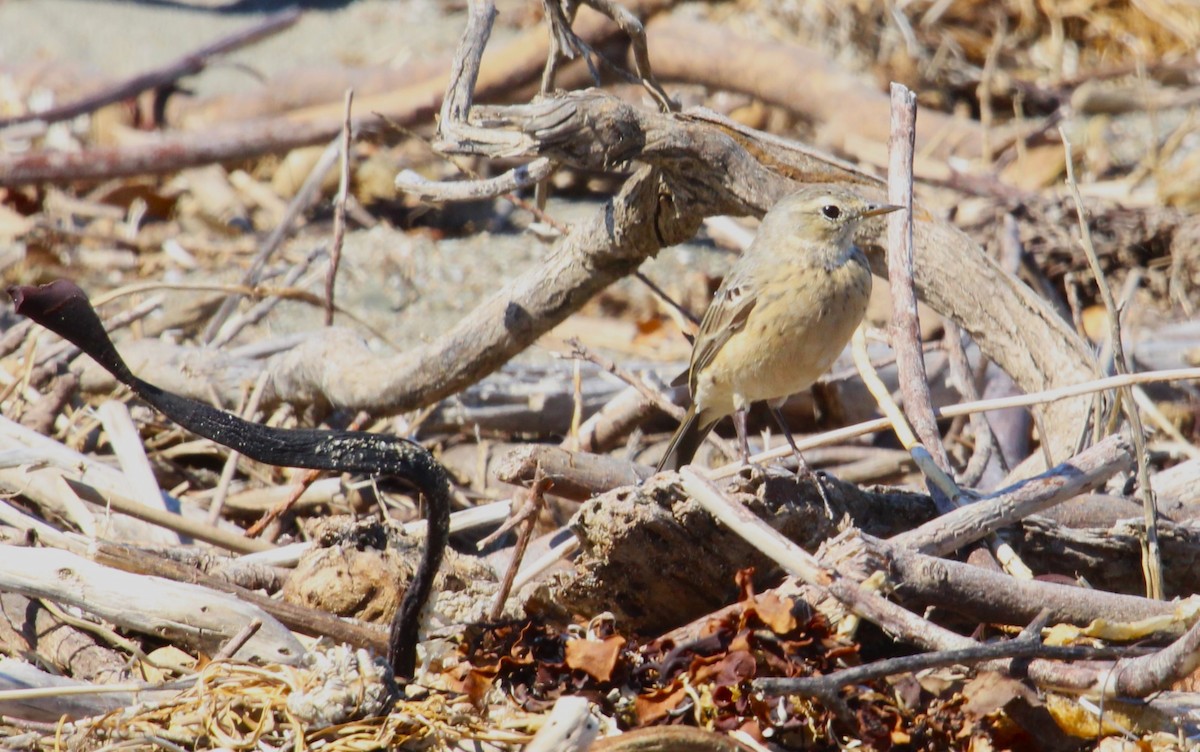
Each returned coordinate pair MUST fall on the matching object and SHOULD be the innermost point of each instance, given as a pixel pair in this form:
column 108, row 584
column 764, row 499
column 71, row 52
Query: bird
column 781, row 316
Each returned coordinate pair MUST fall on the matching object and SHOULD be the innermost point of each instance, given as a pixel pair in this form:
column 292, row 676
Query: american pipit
column 781, row 316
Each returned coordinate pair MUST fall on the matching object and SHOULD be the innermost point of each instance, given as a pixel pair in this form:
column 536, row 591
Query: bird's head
column 824, row 215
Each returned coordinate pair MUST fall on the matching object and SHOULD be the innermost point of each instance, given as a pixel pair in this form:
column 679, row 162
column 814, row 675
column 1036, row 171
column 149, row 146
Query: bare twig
column 532, row 503
column 518, row 178
column 1085, row 472
column 566, row 42
column 820, row 686
column 966, row 408
column 339, row 212
column 960, row 371
column 189, row 64
column 1151, row 556
column 235, row 643
column 567, row 545
column 303, row 619
column 667, row 300
column 653, row 396
column 163, row 153
column 935, row 476
column 906, row 328
column 213, row 333
column 222, row 490
column 175, row 522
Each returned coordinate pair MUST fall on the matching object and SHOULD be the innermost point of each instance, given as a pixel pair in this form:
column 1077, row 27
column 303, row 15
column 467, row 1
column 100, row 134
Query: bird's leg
column 739, row 425
column 803, row 469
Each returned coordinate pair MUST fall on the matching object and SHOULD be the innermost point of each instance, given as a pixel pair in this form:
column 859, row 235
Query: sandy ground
column 118, row 39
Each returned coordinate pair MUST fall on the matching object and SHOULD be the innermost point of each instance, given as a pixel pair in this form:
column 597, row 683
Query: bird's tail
column 687, row 439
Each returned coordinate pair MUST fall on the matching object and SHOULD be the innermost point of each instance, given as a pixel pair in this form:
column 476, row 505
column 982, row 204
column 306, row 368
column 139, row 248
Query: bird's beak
column 877, row 209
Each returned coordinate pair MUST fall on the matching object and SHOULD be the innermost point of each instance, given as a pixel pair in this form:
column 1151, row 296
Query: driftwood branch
column 1086, row 472
column 300, row 618
column 611, row 244
column 178, row 611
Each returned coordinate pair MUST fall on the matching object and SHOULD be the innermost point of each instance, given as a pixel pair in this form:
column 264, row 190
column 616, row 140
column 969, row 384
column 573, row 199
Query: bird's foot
column 804, row 472
column 752, row 471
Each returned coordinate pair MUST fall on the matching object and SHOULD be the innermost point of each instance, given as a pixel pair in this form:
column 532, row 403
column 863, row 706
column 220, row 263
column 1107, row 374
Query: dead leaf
column 775, row 612
column 596, row 658
column 652, row 707
column 990, row 691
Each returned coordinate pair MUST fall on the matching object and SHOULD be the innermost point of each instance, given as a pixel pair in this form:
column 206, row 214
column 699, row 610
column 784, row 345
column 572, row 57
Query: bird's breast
column 802, row 320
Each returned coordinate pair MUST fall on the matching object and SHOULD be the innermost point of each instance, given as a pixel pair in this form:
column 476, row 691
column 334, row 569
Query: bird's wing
column 725, row 317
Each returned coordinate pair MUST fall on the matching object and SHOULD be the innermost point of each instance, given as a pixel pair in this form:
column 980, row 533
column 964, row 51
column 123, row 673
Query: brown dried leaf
column 596, row 658
column 652, row 707
column 990, row 691
column 775, row 612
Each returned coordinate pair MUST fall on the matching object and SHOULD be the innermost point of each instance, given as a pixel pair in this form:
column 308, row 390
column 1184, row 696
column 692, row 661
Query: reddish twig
column 533, row 502
column 310, row 477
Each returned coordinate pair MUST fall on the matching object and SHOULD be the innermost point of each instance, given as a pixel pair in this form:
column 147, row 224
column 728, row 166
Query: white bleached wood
column 127, row 445
column 180, row 612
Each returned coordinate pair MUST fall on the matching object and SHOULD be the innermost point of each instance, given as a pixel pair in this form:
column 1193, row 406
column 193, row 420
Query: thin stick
column 1019, row 648
column 533, row 503
column 222, row 491
column 937, row 477
column 309, row 477
column 235, row 643
column 189, row 64
column 518, row 178
column 301, row 201
column 1151, row 556
column 178, row 523
column 580, row 351
column 667, row 300
column 986, row 446
column 339, row 212
column 906, row 326
column 654, row 396
column 563, row 549
column 1084, row 472
column 966, row 408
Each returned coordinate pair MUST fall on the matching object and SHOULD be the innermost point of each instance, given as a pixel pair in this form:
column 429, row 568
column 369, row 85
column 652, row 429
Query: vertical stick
column 1151, row 555
column 906, row 328
column 339, row 212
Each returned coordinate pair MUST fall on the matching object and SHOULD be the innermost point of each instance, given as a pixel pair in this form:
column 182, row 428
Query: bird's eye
column 831, row 212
